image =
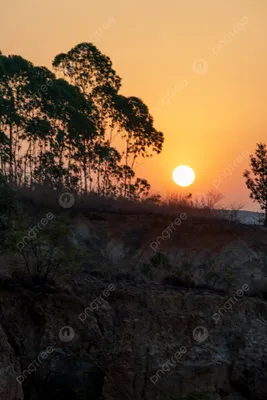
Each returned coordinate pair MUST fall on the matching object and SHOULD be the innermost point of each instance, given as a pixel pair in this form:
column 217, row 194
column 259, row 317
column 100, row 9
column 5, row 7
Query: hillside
column 160, row 306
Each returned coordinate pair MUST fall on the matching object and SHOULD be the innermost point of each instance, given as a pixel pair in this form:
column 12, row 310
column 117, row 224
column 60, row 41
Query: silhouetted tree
column 14, row 89
column 61, row 131
column 86, row 67
column 256, row 179
column 138, row 132
column 91, row 71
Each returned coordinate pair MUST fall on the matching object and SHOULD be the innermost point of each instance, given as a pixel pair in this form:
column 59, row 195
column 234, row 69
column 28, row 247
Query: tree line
column 58, row 128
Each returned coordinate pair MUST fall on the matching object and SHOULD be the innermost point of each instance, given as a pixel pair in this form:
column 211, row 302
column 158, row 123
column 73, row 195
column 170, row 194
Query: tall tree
column 14, row 80
column 61, row 131
column 256, row 179
column 138, row 133
column 93, row 73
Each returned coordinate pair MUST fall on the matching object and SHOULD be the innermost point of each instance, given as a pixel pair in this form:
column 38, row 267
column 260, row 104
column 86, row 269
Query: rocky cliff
column 189, row 317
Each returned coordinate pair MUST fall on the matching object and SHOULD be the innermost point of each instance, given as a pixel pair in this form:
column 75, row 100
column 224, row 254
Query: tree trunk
column 85, row 178
column 126, row 164
column 84, row 167
column 265, row 219
column 11, row 151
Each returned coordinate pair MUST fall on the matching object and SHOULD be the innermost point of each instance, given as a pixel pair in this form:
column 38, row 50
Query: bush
column 44, row 253
column 160, row 260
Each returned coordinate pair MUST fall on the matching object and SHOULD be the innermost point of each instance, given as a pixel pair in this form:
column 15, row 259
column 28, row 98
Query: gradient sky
column 154, row 45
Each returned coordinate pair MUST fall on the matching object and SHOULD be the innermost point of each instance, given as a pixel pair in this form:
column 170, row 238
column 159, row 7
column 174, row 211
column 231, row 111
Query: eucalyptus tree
column 84, row 127
column 139, row 134
column 62, row 131
column 47, row 118
column 4, row 150
column 14, row 80
column 91, row 71
column 38, row 129
column 108, row 173
column 86, row 67
column 73, row 122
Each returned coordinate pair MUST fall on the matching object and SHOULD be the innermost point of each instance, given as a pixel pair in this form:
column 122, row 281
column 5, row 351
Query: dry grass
column 43, row 198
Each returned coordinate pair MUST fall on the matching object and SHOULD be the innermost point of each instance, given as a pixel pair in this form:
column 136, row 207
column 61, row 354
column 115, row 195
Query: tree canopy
column 59, row 127
column 256, row 179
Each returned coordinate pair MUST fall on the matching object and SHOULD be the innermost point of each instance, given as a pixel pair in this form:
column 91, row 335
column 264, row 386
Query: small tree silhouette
column 257, row 183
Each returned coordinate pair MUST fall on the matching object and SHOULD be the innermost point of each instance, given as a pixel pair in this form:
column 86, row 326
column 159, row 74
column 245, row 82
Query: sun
column 183, row 175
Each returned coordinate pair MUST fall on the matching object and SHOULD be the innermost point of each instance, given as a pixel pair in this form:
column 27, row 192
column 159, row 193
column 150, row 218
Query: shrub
column 160, row 260
column 46, row 254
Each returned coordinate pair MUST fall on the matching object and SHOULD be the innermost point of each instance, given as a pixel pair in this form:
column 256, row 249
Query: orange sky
column 155, row 45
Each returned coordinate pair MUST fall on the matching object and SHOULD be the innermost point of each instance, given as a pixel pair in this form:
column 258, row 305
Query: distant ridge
column 247, row 217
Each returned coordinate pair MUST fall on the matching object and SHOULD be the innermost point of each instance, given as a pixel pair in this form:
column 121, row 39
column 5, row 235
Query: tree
column 139, row 134
column 59, row 130
column 43, row 120
column 256, row 179
column 127, row 117
column 14, row 85
column 91, row 71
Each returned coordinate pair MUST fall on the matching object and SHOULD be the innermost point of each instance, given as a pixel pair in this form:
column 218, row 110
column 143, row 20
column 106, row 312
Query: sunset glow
column 200, row 66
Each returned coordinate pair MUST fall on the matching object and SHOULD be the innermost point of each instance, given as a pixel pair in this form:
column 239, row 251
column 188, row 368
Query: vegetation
column 60, row 129
column 208, row 200
column 8, row 208
column 256, row 179
column 46, row 253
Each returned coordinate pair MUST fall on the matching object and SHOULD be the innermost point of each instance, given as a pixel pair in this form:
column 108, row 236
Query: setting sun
column 183, row 175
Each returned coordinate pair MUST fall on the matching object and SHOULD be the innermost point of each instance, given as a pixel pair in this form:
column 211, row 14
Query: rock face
column 139, row 343
column 198, row 253
column 9, row 369
column 68, row 378
column 123, row 331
